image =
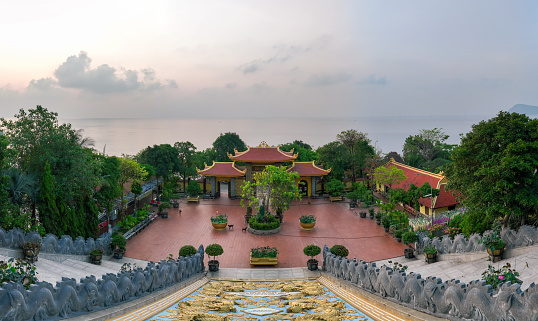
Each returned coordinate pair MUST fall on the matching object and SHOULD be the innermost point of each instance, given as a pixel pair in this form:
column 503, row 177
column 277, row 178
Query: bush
column 456, row 221
column 264, row 252
column 214, row 250
column 398, row 234
column 219, row 218
column 430, row 249
column 164, row 205
column 497, row 277
column 307, row 219
column 339, row 250
column 409, row 237
column 18, row 271
column 311, row 250
column 385, row 221
column 118, row 240
column 193, row 189
column 271, row 224
column 187, row 250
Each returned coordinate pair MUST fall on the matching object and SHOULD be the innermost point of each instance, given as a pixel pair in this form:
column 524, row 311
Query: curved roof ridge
column 422, row 171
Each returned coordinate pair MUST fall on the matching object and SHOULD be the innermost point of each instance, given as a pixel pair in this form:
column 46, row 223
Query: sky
column 251, row 59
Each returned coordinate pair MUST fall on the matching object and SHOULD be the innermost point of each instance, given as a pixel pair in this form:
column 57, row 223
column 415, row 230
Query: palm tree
column 22, row 188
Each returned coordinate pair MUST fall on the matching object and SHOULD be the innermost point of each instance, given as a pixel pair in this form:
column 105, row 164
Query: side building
column 445, row 201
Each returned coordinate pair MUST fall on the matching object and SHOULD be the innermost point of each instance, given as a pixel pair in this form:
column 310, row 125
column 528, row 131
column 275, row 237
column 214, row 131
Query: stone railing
column 45, row 301
column 52, row 244
column 450, row 299
column 525, row 236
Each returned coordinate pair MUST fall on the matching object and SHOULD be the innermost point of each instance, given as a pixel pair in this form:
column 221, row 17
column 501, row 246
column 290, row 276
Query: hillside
column 524, row 109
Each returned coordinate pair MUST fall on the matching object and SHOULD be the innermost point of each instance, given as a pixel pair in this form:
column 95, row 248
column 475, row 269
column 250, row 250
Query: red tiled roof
column 263, row 154
column 222, row 169
column 308, row 169
column 418, row 177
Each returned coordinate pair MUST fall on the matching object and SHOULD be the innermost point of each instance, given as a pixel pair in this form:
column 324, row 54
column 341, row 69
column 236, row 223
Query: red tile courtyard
column 336, row 224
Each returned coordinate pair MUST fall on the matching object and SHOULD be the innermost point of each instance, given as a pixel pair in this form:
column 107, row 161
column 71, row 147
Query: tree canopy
column 428, row 150
column 494, row 169
column 226, row 144
column 388, row 175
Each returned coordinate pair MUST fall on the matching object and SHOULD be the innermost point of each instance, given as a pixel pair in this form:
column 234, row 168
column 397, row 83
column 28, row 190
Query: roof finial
column 263, row 144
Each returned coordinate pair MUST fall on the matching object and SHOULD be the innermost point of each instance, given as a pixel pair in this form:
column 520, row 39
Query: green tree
column 49, row 214
column 356, row 143
column 389, row 175
column 163, row 158
column 495, row 169
column 226, row 144
column 427, row 150
column 186, row 160
column 274, row 188
column 334, row 156
column 136, row 189
column 129, row 170
column 304, row 151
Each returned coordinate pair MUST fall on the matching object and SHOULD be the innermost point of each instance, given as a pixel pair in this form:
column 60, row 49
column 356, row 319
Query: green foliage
column 427, row 150
column 494, row 170
column 118, row 241
column 275, row 188
column 214, row 250
column 219, row 218
column 194, row 189
column 163, row 158
column 398, row 234
column 304, row 151
column 409, row 237
column 49, row 214
column 18, row 271
column 268, row 223
column 227, row 144
column 385, row 221
column 492, row 240
column 109, row 189
column 388, row 175
column 307, row 219
column 339, row 250
column 186, row 160
column 311, row 250
column 264, row 252
column 430, row 249
column 358, row 150
column 335, row 156
column 475, row 222
column 456, row 221
column 496, row 277
column 187, row 250
column 163, row 206
column 335, row 187
column 136, row 187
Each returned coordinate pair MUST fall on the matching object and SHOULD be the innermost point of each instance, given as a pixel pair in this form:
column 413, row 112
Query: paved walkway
column 336, row 224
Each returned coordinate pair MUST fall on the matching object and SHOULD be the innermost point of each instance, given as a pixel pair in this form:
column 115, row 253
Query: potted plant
column 385, row 221
column 494, row 245
column 312, row 250
column 353, row 198
column 96, row 255
column 307, row 222
column 219, row 221
column 118, row 245
column 213, row 250
column 31, row 250
column 263, row 256
column 339, row 250
column 335, row 188
column 408, row 238
column 398, row 235
column 430, row 253
column 187, row 250
column 193, row 190
column 378, row 217
column 162, row 207
column 371, row 211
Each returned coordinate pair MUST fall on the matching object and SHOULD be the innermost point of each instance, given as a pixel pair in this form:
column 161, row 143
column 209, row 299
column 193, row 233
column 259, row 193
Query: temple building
column 254, row 160
column 445, row 201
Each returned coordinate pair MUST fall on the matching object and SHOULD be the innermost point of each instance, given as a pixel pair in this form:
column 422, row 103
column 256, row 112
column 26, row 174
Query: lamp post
column 431, row 197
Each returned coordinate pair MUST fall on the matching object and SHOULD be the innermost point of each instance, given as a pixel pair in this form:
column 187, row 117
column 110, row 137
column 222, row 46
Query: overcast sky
column 237, row 59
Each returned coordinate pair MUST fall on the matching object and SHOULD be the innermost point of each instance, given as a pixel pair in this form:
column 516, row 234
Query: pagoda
column 255, row 159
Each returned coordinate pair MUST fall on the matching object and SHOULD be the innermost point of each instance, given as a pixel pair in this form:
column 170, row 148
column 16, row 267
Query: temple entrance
column 223, row 188
column 303, row 187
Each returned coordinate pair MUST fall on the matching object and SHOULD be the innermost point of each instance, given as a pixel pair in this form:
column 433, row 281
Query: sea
column 128, row 136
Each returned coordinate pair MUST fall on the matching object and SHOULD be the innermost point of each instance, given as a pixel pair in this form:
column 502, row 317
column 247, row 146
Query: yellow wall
column 308, row 181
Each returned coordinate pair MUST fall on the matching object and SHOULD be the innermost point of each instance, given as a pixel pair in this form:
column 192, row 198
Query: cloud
column 372, row 80
column 42, row 84
column 230, row 85
column 325, row 79
column 258, row 64
column 76, row 73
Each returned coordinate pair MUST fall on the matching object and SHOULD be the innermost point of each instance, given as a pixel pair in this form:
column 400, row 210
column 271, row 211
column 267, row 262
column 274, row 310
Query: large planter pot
column 219, row 226
column 312, row 264
column 96, row 258
column 213, row 265
column 263, row 261
column 430, row 257
column 372, row 216
column 386, row 229
column 30, row 253
column 118, row 254
column 307, row 226
column 496, row 255
column 352, row 205
column 362, row 214
column 378, row 222
column 409, row 253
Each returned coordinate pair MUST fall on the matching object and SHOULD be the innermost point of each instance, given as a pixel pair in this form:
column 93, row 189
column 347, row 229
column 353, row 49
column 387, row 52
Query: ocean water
column 117, row 136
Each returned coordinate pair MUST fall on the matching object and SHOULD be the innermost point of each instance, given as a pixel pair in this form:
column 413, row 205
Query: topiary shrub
column 187, row 250
column 339, row 250
column 409, row 237
column 270, row 223
column 214, row 250
column 311, row 250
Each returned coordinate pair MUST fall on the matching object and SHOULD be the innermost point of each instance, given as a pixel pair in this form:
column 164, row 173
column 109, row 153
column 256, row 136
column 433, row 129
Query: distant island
column 524, row 109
